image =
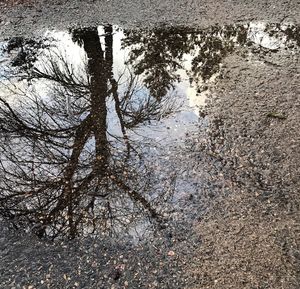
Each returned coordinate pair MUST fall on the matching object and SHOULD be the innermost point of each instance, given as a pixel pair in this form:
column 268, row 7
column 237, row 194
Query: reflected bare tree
column 62, row 172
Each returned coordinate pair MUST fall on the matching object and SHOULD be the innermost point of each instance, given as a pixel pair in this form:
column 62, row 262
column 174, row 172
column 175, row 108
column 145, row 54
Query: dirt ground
column 250, row 236
column 43, row 14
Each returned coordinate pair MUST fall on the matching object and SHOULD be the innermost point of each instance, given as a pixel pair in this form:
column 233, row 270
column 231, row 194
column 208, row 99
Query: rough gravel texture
column 27, row 262
column 251, row 234
column 32, row 16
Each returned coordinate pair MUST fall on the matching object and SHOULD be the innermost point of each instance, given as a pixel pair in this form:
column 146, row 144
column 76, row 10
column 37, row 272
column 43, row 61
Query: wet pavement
column 147, row 146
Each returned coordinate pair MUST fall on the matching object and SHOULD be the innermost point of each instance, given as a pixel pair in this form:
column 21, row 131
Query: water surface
column 97, row 124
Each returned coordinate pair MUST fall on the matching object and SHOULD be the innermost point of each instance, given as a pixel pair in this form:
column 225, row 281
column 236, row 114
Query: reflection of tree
column 27, row 50
column 60, row 171
column 158, row 53
column 292, row 32
column 214, row 45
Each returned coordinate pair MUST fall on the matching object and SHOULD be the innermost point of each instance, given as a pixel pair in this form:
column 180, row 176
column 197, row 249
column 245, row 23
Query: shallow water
column 99, row 125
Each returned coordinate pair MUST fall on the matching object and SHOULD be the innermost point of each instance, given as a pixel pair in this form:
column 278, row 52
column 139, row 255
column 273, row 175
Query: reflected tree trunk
column 98, row 69
column 95, row 124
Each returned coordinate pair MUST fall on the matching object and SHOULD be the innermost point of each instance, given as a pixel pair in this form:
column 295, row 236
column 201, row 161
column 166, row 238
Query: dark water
column 97, row 124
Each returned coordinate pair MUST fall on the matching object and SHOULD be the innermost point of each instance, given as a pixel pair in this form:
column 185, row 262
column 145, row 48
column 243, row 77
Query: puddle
column 96, row 123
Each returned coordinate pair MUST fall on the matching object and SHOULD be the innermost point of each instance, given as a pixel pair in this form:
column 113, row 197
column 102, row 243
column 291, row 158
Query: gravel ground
column 37, row 15
column 250, row 236
column 27, row 262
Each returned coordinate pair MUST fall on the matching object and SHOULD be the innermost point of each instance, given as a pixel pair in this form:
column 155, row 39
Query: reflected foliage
column 158, row 54
column 213, row 46
column 26, row 51
column 292, row 32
